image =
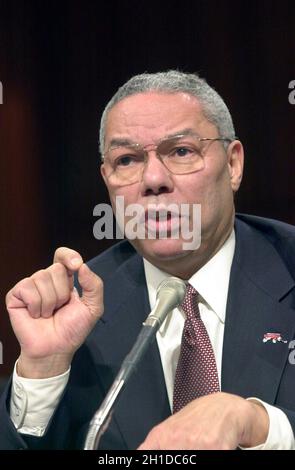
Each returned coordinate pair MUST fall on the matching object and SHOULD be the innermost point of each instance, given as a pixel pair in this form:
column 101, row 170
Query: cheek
column 123, row 197
column 199, row 187
column 210, row 189
column 217, row 209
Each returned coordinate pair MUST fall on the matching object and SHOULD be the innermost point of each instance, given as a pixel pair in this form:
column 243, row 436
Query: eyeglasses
column 180, row 154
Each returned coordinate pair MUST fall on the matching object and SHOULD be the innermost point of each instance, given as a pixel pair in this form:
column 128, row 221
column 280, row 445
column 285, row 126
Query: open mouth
column 162, row 223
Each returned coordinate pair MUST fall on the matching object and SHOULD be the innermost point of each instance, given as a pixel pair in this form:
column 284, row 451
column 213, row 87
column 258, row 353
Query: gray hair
column 174, row 81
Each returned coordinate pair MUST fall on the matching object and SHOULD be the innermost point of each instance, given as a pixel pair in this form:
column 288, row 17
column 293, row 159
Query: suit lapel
column 259, row 299
column 144, row 401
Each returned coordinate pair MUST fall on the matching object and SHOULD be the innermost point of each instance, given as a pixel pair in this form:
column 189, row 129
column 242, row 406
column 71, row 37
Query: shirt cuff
column 33, row 401
column 280, row 433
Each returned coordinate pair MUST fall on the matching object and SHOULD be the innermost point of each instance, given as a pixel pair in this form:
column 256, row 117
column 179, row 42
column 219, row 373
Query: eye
column 182, row 151
column 125, row 160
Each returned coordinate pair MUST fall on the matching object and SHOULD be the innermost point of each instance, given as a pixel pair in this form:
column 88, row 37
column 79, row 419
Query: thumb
column 92, row 290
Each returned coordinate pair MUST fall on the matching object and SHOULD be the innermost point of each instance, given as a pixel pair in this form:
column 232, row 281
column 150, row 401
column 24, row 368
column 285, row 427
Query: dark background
column 60, row 62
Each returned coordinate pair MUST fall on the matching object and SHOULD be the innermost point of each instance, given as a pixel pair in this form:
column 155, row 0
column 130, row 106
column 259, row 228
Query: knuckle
column 41, row 275
column 58, row 269
column 8, row 297
column 15, row 289
column 23, row 285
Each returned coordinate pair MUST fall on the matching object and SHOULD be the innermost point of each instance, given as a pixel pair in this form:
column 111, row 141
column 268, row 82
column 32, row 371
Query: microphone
column 170, row 294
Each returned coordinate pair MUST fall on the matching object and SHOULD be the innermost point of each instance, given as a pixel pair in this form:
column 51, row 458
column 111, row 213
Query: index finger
column 71, row 259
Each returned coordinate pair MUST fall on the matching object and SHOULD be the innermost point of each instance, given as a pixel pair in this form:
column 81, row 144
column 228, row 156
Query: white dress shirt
column 33, row 400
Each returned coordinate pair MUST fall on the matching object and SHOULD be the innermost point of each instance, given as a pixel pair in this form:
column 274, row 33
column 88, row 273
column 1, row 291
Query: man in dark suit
column 166, row 138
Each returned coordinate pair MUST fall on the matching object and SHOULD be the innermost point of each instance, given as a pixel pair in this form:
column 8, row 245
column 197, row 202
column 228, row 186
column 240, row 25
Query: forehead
column 146, row 117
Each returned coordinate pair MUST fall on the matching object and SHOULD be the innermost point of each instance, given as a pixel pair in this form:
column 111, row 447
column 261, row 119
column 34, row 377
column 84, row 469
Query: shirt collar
column 211, row 281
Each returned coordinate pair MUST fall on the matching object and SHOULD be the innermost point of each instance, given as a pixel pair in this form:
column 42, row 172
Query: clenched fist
column 49, row 318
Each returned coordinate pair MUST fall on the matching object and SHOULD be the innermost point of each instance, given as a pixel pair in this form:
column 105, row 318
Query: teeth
column 163, row 216
column 158, row 216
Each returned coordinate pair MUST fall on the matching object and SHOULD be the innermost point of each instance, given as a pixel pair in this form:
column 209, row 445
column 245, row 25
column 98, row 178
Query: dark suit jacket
column 261, row 299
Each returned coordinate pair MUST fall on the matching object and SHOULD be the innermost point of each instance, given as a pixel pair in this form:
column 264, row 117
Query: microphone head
column 170, row 294
column 172, row 286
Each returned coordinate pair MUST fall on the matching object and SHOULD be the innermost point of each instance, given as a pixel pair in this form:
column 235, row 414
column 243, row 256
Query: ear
column 103, row 174
column 235, row 155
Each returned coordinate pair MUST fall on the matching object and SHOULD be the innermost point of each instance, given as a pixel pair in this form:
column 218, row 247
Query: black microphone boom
column 170, row 294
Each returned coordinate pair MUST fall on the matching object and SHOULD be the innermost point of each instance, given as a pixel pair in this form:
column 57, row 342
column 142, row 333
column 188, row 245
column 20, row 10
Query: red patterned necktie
column 196, row 372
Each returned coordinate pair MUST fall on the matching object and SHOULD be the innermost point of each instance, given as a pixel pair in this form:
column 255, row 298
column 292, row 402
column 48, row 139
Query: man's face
column 147, row 118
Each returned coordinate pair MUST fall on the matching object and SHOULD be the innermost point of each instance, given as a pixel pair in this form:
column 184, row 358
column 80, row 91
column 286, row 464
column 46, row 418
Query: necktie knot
column 190, row 302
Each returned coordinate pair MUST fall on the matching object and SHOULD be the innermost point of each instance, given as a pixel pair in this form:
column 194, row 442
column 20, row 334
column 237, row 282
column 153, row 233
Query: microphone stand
column 175, row 288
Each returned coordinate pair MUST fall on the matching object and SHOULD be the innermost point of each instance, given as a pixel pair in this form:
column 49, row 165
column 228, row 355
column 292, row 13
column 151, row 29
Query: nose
column 156, row 178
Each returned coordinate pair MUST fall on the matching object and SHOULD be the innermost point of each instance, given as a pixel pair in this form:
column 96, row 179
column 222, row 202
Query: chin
column 161, row 249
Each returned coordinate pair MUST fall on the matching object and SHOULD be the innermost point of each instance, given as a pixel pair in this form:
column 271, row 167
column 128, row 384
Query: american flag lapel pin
column 273, row 337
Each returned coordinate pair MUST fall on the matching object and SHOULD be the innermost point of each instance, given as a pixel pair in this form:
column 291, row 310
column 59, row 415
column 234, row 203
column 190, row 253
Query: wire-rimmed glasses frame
column 180, row 154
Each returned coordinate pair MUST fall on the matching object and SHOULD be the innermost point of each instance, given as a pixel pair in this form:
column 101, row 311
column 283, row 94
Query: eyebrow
column 186, row 131
column 120, row 141
column 117, row 141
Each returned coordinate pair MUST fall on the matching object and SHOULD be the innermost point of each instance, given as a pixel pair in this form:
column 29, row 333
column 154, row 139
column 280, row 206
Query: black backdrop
column 59, row 64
